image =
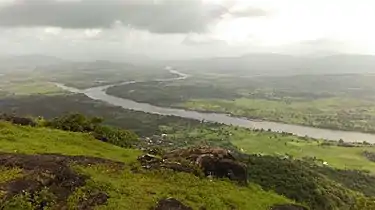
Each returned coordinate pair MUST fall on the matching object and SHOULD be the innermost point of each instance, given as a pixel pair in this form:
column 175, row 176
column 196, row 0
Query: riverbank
column 99, row 93
column 344, row 112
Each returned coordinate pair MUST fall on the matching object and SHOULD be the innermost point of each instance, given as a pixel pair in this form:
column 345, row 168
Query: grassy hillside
column 126, row 189
column 269, row 143
column 28, row 140
column 303, row 178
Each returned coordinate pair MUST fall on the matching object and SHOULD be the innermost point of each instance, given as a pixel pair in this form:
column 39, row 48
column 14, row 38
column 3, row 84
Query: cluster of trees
column 360, row 181
column 81, row 123
column 319, row 189
column 49, row 107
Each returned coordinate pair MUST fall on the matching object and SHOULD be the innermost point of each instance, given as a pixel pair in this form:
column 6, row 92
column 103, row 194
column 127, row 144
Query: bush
column 122, row 138
column 81, row 123
column 75, row 123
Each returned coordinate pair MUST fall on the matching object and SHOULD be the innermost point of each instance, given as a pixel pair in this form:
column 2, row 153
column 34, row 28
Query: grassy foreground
column 126, row 189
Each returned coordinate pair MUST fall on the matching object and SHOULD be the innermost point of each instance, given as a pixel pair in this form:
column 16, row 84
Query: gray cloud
column 196, row 40
column 249, row 12
column 164, row 16
column 157, row 16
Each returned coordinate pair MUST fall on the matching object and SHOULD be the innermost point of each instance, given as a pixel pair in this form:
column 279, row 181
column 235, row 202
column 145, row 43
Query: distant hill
column 278, row 64
column 26, row 62
column 249, row 64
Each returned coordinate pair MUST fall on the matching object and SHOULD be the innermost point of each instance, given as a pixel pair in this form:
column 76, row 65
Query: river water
column 99, row 93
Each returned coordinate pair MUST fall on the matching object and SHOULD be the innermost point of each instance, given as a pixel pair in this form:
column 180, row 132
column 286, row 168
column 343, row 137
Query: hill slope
column 71, row 179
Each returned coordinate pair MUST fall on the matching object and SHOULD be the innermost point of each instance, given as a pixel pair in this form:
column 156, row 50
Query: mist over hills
column 250, row 64
column 279, row 65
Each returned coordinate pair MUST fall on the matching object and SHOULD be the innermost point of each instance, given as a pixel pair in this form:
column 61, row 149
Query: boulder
column 224, row 168
column 214, row 162
column 18, row 120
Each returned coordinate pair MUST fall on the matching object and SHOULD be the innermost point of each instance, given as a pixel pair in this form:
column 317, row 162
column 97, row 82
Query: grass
column 9, row 174
column 143, row 190
column 129, row 190
column 6, row 175
column 30, row 140
column 22, row 88
column 336, row 156
column 334, row 113
column 270, row 143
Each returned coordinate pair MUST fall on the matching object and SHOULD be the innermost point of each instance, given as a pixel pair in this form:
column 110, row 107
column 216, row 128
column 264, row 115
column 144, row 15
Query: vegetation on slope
column 184, row 133
column 124, row 188
column 298, row 181
column 49, row 107
column 80, row 123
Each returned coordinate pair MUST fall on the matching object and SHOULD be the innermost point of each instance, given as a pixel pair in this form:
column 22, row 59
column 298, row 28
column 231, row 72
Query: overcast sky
column 185, row 28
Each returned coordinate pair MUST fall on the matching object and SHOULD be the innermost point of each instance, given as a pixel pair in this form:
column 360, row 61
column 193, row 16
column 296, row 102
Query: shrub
column 81, row 123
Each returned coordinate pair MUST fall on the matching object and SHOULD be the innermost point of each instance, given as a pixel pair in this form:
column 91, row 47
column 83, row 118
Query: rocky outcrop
column 369, row 155
column 214, row 162
column 171, row 204
column 51, row 172
column 18, row 120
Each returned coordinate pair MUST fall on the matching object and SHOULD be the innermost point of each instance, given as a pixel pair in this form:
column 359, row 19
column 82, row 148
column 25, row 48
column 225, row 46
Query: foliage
column 49, row 107
column 42, row 199
column 80, row 123
column 297, row 181
column 75, row 123
column 116, row 136
column 9, row 174
column 353, row 179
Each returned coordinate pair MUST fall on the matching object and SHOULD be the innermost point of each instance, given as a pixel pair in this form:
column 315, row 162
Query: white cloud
column 92, row 33
column 52, row 30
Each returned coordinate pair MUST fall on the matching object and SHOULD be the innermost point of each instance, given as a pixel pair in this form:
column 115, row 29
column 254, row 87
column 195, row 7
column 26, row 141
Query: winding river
column 99, row 93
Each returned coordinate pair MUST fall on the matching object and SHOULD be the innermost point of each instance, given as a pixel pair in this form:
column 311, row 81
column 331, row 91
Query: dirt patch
column 18, row 120
column 171, row 204
column 52, row 172
column 369, row 155
column 94, row 200
column 214, row 162
column 288, row 207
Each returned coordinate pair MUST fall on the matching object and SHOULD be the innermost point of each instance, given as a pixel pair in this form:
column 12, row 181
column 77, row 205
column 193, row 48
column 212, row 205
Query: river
column 99, row 93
